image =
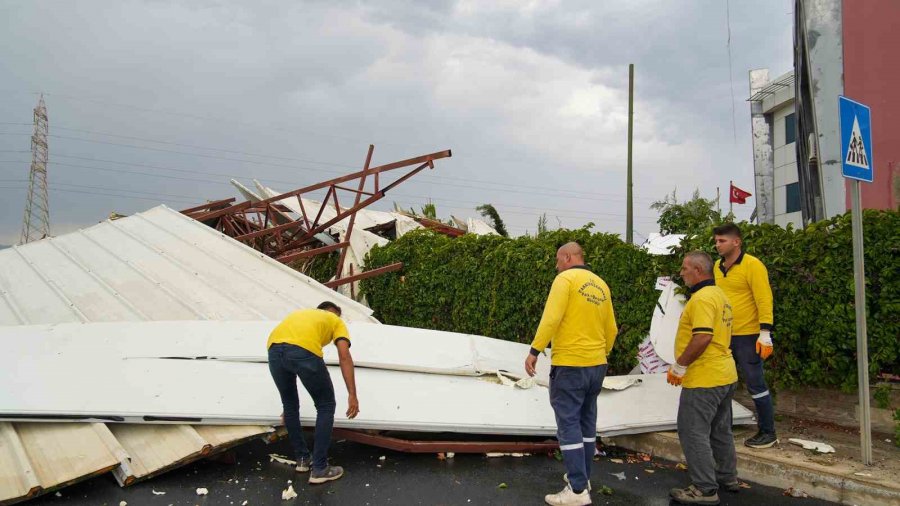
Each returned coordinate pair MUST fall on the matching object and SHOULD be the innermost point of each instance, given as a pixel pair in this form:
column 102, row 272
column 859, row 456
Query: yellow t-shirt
column 310, row 329
column 746, row 284
column 578, row 318
column 707, row 312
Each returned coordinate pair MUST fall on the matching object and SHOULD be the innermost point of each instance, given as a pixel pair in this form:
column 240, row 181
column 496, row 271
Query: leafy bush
column 496, row 287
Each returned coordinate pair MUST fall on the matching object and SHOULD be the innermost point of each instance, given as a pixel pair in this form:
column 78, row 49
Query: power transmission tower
column 37, row 207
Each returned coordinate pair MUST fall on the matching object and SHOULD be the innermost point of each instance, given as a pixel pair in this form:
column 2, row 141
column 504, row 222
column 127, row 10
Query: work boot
column 303, row 464
column 693, row 495
column 566, row 479
column 762, row 440
column 732, row 486
column 330, row 473
column 567, row 497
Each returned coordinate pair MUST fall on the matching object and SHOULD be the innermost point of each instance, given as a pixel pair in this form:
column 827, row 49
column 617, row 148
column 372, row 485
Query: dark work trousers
column 704, row 429
column 573, row 396
column 750, row 366
column 286, row 363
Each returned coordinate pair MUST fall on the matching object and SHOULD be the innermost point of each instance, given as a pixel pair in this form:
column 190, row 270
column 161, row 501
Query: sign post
column 856, row 165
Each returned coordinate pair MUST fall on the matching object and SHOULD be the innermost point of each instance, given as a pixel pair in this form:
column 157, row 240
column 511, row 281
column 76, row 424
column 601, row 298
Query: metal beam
column 363, row 275
column 290, row 257
column 414, row 446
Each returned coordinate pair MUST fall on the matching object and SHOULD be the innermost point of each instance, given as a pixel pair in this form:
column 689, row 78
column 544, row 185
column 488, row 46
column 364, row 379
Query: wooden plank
column 157, row 448
column 17, row 479
column 62, row 454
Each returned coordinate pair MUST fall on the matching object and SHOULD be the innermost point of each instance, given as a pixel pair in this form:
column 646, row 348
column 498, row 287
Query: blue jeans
column 750, row 366
column 573, row 396
column 286, row 363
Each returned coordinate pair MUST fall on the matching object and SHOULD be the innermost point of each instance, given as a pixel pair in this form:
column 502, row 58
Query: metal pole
column 730, row 201
column 862, row 347
column 629, row 213
column 718, row 206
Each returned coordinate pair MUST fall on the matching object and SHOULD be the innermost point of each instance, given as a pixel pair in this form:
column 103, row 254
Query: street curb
column 773, row 472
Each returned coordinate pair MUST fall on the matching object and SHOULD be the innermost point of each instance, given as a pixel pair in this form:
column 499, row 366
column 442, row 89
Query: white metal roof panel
column 156, row 265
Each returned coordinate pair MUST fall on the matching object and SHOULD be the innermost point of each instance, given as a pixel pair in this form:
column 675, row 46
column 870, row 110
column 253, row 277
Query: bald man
column 706, row 372
column 579, row 319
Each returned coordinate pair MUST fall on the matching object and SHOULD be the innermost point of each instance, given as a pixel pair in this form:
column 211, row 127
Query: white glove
column 676, row 374
column 765, row 337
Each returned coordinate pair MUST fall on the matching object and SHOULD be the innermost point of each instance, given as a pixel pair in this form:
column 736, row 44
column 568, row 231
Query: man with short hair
column 745, row 281
column 579, row 319
column 295, row 350
column 708, row 377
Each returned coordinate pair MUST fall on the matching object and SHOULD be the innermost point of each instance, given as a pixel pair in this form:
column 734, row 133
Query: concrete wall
column 872, row 76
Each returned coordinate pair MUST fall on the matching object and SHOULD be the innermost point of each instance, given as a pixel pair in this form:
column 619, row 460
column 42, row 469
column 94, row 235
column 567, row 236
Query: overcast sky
column 154, row 102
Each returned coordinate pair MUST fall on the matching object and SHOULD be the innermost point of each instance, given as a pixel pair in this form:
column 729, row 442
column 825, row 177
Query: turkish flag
column 739, row 196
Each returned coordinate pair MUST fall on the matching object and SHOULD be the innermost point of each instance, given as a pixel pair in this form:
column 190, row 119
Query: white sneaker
column 566, row 497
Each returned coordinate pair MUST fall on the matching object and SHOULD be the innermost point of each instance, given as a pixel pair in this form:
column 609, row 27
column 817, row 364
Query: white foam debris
column 812, row 445
column 288, row 494
column 281, row 459
column 202, row 491
column 157, row 493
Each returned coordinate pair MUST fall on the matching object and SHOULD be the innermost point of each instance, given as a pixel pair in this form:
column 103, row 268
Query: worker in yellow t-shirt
column 708, row 377
column 579, row 319
column 745, row 281
column 295, row 350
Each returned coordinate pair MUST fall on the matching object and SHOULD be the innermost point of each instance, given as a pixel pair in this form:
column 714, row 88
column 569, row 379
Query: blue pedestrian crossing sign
column 856, row 140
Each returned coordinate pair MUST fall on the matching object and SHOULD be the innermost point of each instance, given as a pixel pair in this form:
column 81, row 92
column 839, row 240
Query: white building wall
column 785, row 163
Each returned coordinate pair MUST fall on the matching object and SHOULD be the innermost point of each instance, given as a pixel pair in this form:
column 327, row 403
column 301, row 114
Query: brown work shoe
column 693, row 495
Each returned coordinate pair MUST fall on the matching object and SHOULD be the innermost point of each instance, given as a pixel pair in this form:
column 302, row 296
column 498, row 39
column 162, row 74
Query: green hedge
column 496, row 287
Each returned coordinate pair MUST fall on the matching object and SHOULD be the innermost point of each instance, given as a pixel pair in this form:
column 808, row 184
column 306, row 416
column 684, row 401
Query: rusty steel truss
column 268, row 226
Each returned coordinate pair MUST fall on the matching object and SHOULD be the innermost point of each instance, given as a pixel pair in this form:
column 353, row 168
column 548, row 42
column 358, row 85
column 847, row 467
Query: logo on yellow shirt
column 593, row 293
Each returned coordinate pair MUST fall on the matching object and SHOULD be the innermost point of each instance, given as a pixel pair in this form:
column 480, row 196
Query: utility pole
column 36, row 224
column 629, row 214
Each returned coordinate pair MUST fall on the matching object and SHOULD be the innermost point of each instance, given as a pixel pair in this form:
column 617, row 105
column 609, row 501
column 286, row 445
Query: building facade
column 774, row 130
column 841, row 47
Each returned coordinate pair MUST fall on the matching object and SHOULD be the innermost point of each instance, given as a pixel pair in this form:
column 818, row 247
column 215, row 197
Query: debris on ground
column 281, row 459
column 617, row 461
column 288, row 493
column 812, row 445
column 501, row 454
column 681, row 466
column 382, row 458
column 605, row 490
column 450, row 455
column 794, row 492
column 743, row 484
column 556, row 454
column 502, row 485
column 157, row 493
column 620, row 476
column 868, row 475
column 650, row 471
column 202, row 491
column 123, row 503
column 244, row 503
column 441, row 456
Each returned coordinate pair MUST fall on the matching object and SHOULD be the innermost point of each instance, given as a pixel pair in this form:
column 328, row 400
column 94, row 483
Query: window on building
column 790, row 129
column 792, row 195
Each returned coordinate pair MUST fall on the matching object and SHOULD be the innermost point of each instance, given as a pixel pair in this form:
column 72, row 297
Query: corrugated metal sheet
column 155, row 265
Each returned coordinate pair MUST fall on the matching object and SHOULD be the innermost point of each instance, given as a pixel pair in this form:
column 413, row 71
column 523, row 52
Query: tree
column 690, row 217
column 429, row 211
column 542, row 224
column 488, row 211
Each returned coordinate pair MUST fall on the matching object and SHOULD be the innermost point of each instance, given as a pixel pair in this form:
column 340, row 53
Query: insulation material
column 664, row 324
column 648, row 360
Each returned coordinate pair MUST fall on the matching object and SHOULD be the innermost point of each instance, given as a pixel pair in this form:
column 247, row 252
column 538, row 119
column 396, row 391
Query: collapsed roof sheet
column 155, row 265
column 155, row 390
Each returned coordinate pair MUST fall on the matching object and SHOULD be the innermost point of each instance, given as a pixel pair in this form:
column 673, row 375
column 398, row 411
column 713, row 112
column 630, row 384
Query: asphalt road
column 399, row 479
